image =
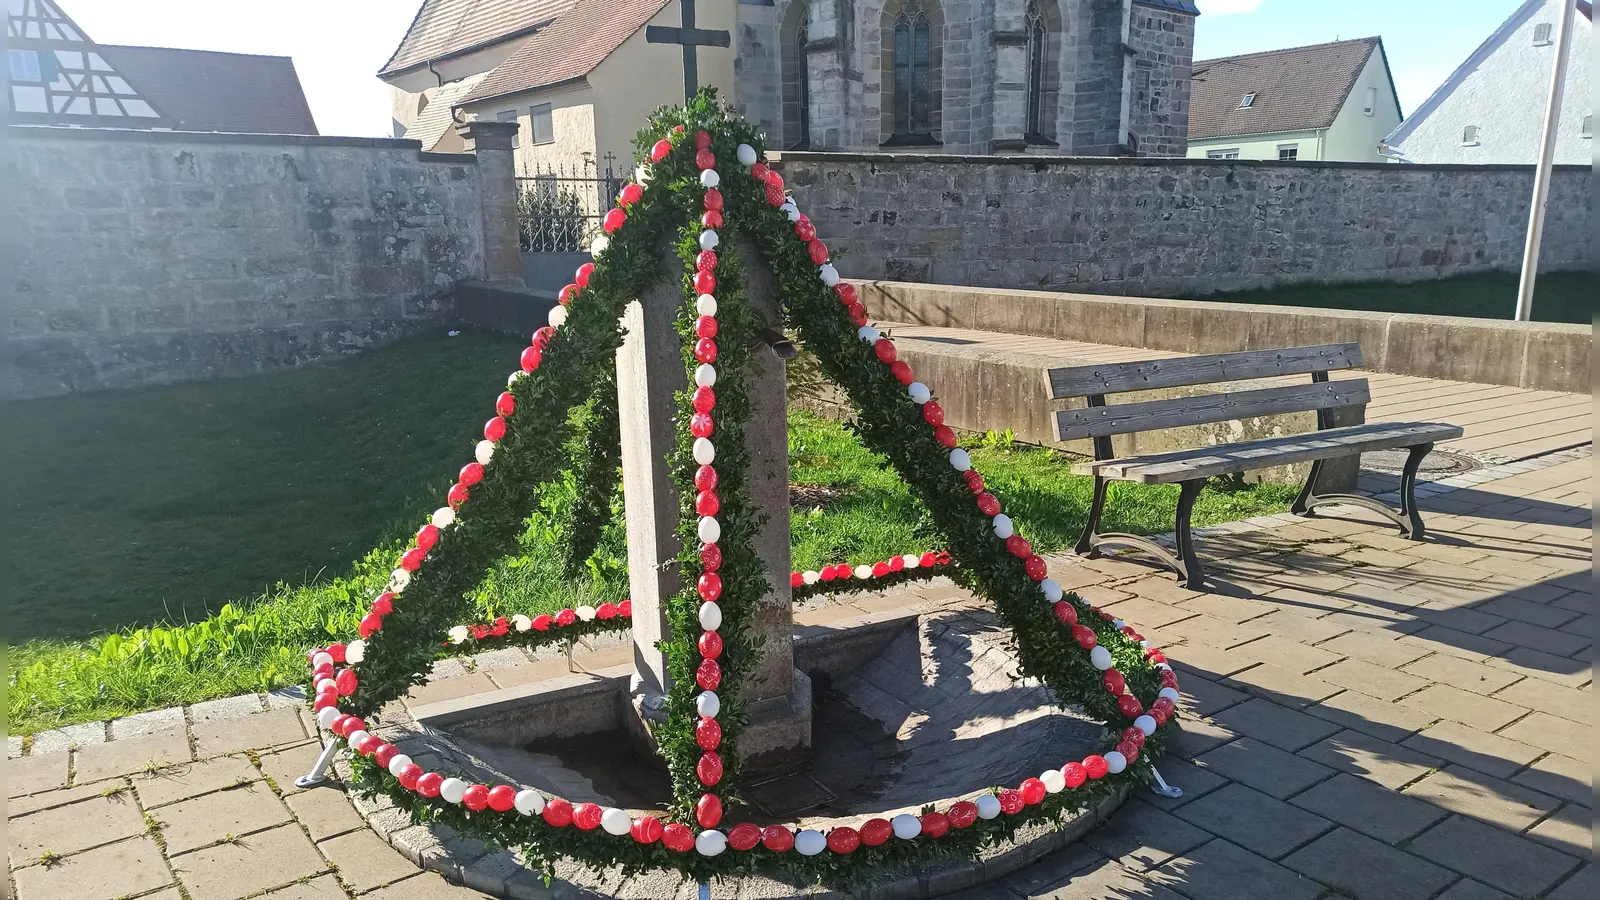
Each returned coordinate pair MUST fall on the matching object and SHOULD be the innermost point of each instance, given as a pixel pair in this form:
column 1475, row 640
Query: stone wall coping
column 777, row 157
column 1548, row 356
column 140, row 135
column 1262, row 308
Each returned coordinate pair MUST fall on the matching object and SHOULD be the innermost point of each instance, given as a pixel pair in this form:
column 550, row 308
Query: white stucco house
column 1491, row 108
column 1325, row 102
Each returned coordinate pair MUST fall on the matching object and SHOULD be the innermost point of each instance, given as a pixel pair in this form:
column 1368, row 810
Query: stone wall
column 1176, row 228
column 149, row 257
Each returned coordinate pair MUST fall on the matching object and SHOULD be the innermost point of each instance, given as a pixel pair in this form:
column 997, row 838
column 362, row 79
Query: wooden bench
column 1191, row 468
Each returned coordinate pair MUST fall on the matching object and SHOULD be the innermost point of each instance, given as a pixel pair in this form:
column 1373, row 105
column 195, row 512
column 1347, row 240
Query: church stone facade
column 1073, row 77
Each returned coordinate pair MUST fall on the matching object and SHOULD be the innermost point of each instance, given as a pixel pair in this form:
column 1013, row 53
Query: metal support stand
column 566, row 648
column 319, row 770
column 1162, row 789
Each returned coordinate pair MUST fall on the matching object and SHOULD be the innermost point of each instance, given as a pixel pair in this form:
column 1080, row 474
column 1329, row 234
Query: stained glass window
column 913, row 76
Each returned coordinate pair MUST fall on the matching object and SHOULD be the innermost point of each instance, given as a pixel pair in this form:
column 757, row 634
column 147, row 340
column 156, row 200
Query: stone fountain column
column 650, row 372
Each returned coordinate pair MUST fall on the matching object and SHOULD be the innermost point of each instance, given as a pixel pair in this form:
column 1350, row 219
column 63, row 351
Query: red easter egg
column 1096, row 766
column 707, row 734
column 1033, row 791
column 427, row 536
column 613, row 221
column 705, row 350
column 660, row 150
column 935, row 824
column 1114, row 682
column 708, row 811
column 1075, row 774
column 1011, row 801
column 384, row 754
column 711, row 219
column 708, row 676
column 933, row 414
column 531, row 357
column 428, row 784
column 1085, row 636
column 646, row 829
column 705, row 326
column 587, row 816
column 557, row 812
column 901, row 371
column 1129, row 706
column 844, row 840
column 677, row 837
column 409, row 775
column 963, row 813
column 711, row 557
column 502, row 798
column 476, row 797
column 706, row 503
column 710, row 644
column 988, row 504
column 705, row 478
column 704, row 282
column 1036, row 568
column 709, row 586
column 876, row 831
column 631, row 194
column 505, row 404
column 777, row 838
column 1065, row 613
column 712, row 200
column 709, row 768
column 744, row 836
column 884, row 350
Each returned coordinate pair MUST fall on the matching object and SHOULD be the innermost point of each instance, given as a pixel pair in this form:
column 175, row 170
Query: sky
column 339, row 45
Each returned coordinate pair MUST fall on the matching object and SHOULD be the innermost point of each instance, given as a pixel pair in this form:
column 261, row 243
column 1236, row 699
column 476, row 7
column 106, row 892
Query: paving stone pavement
column 1365, row 718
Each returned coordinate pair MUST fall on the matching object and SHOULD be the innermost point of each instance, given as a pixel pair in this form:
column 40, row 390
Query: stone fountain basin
column 911, row 707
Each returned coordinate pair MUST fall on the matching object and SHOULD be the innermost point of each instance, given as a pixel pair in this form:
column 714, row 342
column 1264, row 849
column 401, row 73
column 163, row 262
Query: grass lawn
column 1557, row 296
column 267, row 511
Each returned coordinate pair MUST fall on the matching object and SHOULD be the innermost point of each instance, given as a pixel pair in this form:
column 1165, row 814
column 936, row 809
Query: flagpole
column 1541, row 174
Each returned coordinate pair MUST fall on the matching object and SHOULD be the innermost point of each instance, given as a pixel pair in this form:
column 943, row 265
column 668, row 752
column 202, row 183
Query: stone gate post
column 497, row 171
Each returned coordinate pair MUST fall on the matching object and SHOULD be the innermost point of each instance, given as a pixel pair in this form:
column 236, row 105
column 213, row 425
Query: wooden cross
column 690, row 37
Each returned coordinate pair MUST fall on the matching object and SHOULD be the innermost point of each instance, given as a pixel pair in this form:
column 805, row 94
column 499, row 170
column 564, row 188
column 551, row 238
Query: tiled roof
column 578, row 41
column 1297, row 89
column 1186, row 6
column 443, row 27
column 438, row 116
column 206, row 90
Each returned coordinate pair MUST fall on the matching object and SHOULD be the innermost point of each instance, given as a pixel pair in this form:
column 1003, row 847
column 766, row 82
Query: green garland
column 398, row 655
column 596, row 472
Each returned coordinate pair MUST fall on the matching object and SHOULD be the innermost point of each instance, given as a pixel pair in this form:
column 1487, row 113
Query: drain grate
column 1438, row 463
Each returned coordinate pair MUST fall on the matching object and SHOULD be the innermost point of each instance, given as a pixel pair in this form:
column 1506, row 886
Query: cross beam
column 690, row 37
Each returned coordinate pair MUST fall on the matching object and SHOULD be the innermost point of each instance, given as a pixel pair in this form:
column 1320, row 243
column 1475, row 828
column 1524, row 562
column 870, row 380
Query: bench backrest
column 1099, row 420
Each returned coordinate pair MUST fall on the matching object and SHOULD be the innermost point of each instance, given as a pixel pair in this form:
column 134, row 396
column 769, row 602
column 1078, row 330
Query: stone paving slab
column 1309, row 788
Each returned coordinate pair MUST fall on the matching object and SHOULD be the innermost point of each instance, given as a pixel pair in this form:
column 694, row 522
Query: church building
column 1059, row 77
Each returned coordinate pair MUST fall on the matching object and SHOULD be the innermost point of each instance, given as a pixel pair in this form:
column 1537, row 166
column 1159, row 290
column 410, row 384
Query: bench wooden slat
column 1202, row 409
column 1115, row 378
column 1204, row 462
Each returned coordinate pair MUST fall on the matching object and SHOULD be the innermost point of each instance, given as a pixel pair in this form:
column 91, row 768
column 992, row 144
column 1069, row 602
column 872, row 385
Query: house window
column 24, row 65
column 1469, row 136
column 913, row 82
column 1248, row 100
column 1371, row 107
column 510, row 115
column 1230, row 153
column 804, row 71
column 1541, row 34
column 543, row 127
column 1588, row 127
column 1287, row 152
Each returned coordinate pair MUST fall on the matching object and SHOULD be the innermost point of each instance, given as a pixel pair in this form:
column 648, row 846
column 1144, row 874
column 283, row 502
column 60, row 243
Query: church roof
column 446, row 27
column 1297, row 89
column 1184, row 6
column 578, row 41
column 206, row 90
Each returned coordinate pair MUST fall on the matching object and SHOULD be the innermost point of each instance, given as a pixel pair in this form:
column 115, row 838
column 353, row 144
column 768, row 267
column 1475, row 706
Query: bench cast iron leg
column 1097, row 506
column 1302, row 503
column 1408, row 491
column 1189, row 562
column 1408, row 518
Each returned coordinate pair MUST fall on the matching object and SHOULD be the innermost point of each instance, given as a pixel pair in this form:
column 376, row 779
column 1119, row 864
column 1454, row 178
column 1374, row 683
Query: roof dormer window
column 1248, row 100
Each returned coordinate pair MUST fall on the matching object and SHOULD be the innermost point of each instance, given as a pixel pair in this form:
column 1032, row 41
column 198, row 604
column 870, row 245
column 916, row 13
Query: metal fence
column 559, row 210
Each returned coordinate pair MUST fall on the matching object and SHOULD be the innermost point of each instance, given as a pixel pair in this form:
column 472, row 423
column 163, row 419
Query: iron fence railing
column 559, row 210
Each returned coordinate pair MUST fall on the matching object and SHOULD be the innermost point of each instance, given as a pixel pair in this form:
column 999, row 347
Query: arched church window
column 804, row 75
column 1037, row 49
column 913, row 78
